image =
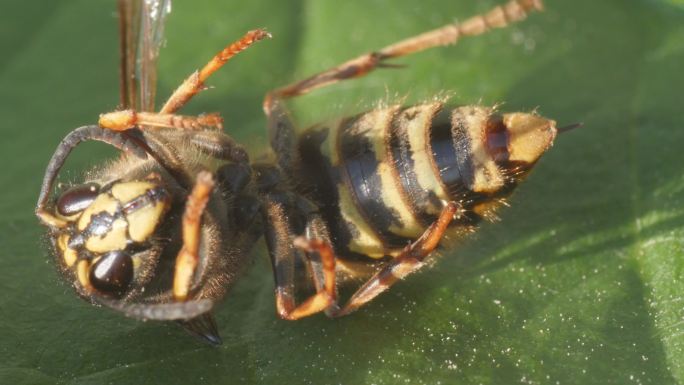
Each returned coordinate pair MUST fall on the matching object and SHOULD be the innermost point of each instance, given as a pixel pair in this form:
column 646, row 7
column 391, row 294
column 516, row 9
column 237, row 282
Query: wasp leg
column 195, row 82
column 126, row 119
column 164, row 152
column 321, row 258
column 410, row 260
column 215, row 144
column 498, row 17
column 279, row 238
column 193, row 129
column 282, row 134
column 188, row 257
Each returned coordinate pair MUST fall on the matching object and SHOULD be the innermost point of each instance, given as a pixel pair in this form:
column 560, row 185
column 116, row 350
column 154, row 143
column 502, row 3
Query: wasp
column 163, row 231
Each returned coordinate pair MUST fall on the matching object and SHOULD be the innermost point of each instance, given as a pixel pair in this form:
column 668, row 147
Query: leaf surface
column 581, row 281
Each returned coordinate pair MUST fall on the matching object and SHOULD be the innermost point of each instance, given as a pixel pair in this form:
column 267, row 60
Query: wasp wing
column 141, row 31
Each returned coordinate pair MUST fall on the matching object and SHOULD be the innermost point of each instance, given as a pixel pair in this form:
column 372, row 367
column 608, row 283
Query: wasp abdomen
column 382, row 177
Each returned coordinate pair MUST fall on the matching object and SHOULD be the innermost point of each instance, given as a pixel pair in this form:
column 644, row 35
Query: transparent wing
column 141, row 32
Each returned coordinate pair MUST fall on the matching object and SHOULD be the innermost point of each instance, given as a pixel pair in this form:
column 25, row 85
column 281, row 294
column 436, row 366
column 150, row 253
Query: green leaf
column 580, row 283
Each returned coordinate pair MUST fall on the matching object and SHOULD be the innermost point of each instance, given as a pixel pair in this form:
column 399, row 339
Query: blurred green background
column 580, row 283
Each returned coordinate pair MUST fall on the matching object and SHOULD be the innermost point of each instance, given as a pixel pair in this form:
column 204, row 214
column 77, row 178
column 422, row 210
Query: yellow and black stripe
column 382, row 177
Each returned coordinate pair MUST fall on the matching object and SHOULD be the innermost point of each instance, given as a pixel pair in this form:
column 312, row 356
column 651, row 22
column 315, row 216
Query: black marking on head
column 76, row 241
column 101, row 223
column 150, row 197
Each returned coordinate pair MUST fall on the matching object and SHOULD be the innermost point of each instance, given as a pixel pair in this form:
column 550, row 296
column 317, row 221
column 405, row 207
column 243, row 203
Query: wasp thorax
column 528, row 136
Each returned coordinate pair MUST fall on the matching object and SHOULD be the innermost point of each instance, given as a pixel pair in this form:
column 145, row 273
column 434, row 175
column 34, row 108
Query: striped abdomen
column 382, row 177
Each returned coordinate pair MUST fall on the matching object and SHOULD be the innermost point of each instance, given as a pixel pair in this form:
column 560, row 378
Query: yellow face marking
column 143, row 221
column 125, row 192
column 416, row 130
column 51, row 220
column 62, row 242
column 114, row 239
column 82, row 270
column 486, row 174
column 68, row 254
column 103, row 202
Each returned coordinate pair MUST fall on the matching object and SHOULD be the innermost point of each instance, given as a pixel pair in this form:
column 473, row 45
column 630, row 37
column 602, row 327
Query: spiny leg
column 126, row 119
column 279, row 238
column 211, row 144
column 323, row 270
column 498, row 17
column 195, row 82
column 282, row 134
column 320, row 257
column 410, row 260
column 191, row 129
column 188, row 257
column 215, row 144
column 163, row 152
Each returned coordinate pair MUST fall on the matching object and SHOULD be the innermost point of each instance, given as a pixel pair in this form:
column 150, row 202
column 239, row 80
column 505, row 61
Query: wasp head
column 107, row 232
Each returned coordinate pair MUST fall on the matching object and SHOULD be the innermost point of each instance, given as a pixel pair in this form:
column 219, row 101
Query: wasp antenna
column 569, row 127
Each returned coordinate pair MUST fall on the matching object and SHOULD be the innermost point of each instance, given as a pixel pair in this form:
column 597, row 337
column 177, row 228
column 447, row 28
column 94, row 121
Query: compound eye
column 77, row 199
column 112, row 274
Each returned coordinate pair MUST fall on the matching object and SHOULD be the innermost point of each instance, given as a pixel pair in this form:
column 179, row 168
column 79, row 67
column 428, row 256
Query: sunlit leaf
column 580, row 283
